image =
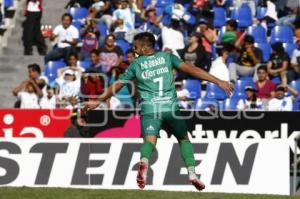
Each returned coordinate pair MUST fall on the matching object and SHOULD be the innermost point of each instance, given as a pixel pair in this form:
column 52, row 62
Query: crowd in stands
column 253, row 44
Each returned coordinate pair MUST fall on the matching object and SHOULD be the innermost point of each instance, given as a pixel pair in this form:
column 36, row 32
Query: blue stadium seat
column 282, row 34
column 296, row 85
column 215, row 92
column 194, row 88
column 296, row 105
column 146, row 3
column 260, row 12
column 77, row 25
column 289, row 48
column 78, row 13
column 204, row 104
column 266, row 50
column 159, row 11
column 259, row 33
column 230, row 104
column 243, row 16
column 8, row 3
column 51, row 69
column 220, row 17
column 239, row 88
column 276, row 80
column 163, row 3
column 103, row 28
column 189, row 18
column 123, row 44
column 84, row 64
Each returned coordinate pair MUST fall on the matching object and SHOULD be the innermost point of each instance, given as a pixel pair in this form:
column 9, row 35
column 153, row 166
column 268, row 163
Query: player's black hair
column 67, row 15
column 73, row 55
column 146, row 37
column 94, row 51
column 35, row 67
column 262, row 67
column 232, row 23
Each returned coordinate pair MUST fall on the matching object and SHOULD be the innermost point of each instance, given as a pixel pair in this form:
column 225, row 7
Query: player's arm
column 110, row 91
column 203, row 75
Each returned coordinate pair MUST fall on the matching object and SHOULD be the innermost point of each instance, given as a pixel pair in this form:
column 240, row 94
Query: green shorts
column 152, row 123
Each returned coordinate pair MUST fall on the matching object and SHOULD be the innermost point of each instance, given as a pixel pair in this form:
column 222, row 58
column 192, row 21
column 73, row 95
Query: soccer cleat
column 142, row 174
column 197, row 184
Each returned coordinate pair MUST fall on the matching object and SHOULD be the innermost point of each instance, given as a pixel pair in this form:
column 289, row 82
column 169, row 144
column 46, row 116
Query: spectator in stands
column 270, row 16
column 67, row 37
column 95, row 59
column 49, row 100
column 130, row 56
column 279, row 62
column 265, row 87
column 250, row 58
column 282, row 102
column 218, row 67
column 124, row 15
column 110, row 55
column 72, row 65
column 92, row 84
column 251, row 102
column 172, row 38
column 194, row 53
column 32, row 28
column 34, row 73
column 69, row 87
column 209, row 36
column 151, row 21
column 125, row 94
column 90, row 38
column 294, row 73
column 101, row 10
column 182, row 94
column 28, row 93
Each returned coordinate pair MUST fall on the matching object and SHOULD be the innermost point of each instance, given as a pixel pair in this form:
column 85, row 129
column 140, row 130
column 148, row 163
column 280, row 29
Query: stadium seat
column 266, row 50
column 242, row 15
column 189, row 18
column 239, row 88
column 163, row 3
column 296, row 85
column 159, row 11
column 8, row 3
column 260, row 12
column 230, row 104
column 204, row 104
column 215, row 92
column 103, row 28
column 296, row 105
column 78, row 13
column 282, row 34
column 77, row 25
column 276, row 80
column 220, row 17
column 146, row 3
column 84, row 64
column 123, row 44
column 194, row 88
column 289, row 48
column 51, row 69
column 259, row 33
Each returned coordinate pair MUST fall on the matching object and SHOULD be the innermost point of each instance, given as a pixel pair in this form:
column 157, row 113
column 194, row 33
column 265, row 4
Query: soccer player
column 154, row 80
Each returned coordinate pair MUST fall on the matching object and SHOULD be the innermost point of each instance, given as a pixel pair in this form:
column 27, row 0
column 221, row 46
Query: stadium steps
column 13, row 64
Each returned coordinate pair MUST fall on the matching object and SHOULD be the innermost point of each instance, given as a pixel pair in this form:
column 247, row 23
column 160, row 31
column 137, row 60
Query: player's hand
column 92, row 104
column 226, row 86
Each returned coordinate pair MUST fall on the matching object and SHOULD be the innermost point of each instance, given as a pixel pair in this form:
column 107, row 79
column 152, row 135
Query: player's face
column 94, row 58
column 138, row 47
column 72, row 61
column 130, row 57
column 32, row 74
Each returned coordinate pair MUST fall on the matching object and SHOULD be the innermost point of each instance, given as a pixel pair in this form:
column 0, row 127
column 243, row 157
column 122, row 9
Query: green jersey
column 154, row 79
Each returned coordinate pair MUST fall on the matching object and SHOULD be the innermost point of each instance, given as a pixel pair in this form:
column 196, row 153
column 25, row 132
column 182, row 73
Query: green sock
column 146, row 150
column 187, row 153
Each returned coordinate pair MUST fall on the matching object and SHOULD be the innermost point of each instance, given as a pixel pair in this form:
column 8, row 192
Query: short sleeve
column 176, row 62
column 56, row 30
column 129, row 74
column 75, row 33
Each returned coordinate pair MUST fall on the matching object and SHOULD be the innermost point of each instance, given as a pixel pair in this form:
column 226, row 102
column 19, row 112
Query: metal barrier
column 296, row 162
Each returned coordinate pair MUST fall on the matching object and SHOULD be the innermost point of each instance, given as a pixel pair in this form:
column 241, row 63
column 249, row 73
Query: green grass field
column 54, row 193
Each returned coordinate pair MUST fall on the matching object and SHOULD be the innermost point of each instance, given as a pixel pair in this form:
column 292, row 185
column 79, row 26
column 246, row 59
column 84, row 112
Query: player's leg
column 150, row 130
column 179, row 130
